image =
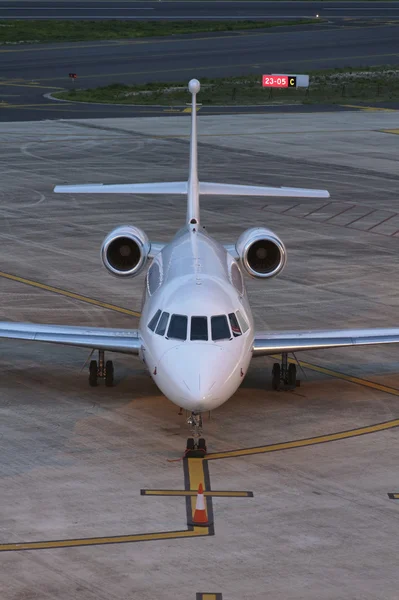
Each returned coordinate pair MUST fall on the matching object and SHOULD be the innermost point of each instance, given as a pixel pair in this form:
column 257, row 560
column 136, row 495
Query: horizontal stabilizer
column 168, row 187
column 180, row 187
column 227, row 189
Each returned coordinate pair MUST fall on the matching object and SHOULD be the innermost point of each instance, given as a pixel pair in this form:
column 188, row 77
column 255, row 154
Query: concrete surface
column 73, row 459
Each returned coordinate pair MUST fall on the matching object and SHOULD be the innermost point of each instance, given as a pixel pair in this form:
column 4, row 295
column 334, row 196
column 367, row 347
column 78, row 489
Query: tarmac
column 91, row 506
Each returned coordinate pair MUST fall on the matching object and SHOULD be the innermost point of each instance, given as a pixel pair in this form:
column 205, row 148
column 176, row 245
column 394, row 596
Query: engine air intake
column 125, row 251
column 123, row 254
column 262, row 253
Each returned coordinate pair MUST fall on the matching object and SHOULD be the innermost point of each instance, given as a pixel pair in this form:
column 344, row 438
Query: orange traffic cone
column 200, row 518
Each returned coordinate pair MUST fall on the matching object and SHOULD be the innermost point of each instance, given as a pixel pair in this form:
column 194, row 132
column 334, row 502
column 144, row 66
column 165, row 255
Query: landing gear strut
column 284, row 374
column 101, row 370
column 196, row 446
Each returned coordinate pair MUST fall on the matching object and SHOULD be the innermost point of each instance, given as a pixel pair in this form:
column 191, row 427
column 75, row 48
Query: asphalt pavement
column 28, row 72
column 190, row 9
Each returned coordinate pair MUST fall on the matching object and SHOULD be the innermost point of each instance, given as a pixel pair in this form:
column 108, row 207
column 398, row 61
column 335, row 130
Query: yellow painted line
column 188, row 109
column 196, row 476
column 213, row 493
column 251, row 133
column 213, row 67
column 61, row 292
column 394, row 496
column 98, row 541
column 321, row 439
column 27, row 85
column 396, row 131
column 41, row 105
column 370, row 384
column 208, row 596
column 369, row 108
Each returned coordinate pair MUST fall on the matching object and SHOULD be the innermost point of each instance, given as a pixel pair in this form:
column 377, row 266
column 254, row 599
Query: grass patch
column 18, row 32
column 340, row 86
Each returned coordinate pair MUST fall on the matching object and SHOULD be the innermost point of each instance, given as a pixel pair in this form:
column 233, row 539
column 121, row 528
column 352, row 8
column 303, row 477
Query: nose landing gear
column 284, row 375
column 196, row 445
column 104, row 371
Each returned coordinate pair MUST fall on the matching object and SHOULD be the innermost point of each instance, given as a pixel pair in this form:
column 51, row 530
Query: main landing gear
column 196, row 446
column 284, row 375
column 102, row 370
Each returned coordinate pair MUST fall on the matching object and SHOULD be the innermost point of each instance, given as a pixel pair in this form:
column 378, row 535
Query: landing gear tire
column 109, row 373
column 190, row 444
column 93, row 369
column 291, row 376
column 202, row 444
column 276, row 374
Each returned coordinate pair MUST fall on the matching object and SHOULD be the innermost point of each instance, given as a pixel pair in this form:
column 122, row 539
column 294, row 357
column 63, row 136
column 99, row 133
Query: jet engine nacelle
column 261, row 252
column 125, row 250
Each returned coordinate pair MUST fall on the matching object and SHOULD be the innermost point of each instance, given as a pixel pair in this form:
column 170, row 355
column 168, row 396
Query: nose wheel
column 284, row 375
column 196, row 445
column 102, row 370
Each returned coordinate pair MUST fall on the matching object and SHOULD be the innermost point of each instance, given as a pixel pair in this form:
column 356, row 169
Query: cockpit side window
column 163, row 321
column 235, row 328
column 178, row 327
column 220, row 328
column 153, row 323
column 199, row 329
column 243, row 324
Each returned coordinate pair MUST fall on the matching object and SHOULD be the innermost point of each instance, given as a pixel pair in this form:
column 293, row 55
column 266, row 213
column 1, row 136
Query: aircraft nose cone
column 197, row 374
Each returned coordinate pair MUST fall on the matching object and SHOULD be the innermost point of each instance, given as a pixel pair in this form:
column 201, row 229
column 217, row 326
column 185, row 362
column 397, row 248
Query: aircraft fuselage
column 196, row 325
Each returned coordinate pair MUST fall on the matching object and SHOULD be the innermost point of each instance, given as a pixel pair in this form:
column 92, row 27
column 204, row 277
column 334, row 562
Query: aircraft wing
column 294, row 341
column 114, row 340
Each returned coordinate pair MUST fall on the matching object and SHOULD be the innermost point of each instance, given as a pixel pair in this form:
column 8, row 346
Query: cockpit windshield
column 220, row 328
column 178, row 327
column 196, row 328
column 199, row 329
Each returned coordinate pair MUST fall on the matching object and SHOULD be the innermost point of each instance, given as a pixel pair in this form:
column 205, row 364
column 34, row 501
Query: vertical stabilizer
column 193, row 185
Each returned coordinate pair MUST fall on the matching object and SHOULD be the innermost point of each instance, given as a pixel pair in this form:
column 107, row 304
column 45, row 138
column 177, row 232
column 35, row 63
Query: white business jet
column 196, row 333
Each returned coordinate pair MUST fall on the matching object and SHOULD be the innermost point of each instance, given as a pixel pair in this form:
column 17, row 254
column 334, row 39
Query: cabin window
column 199, row 329
column 235, row 328
column 163, row 321
column 220, row 328
column 236, row 278
column 178, row 327
column 153, row 323
column 243, row 324
column 153, row 278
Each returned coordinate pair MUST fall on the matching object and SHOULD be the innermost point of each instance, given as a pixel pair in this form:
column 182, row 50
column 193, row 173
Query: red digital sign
column 275, row 81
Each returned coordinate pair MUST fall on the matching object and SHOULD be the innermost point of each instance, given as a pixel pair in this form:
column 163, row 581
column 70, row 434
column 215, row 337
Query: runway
column 295, row 481
column 207, row 10
column 28, row 72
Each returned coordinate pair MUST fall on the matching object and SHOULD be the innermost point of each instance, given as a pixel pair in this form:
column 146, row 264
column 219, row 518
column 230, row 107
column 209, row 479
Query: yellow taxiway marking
column 213, row 493
column 31, row 85
column 369, row 108
column 208, row 596
column 371, row 384
column 188, row 109
column 195, row 475
column 213, row 67
column 395, row 131
column 393, row 496
column 98, row 541
column 321, row 439
column 61, row 292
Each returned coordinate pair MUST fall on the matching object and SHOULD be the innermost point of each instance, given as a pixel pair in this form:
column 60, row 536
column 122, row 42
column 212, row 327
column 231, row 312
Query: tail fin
column 193, row 188
column 193, row 183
